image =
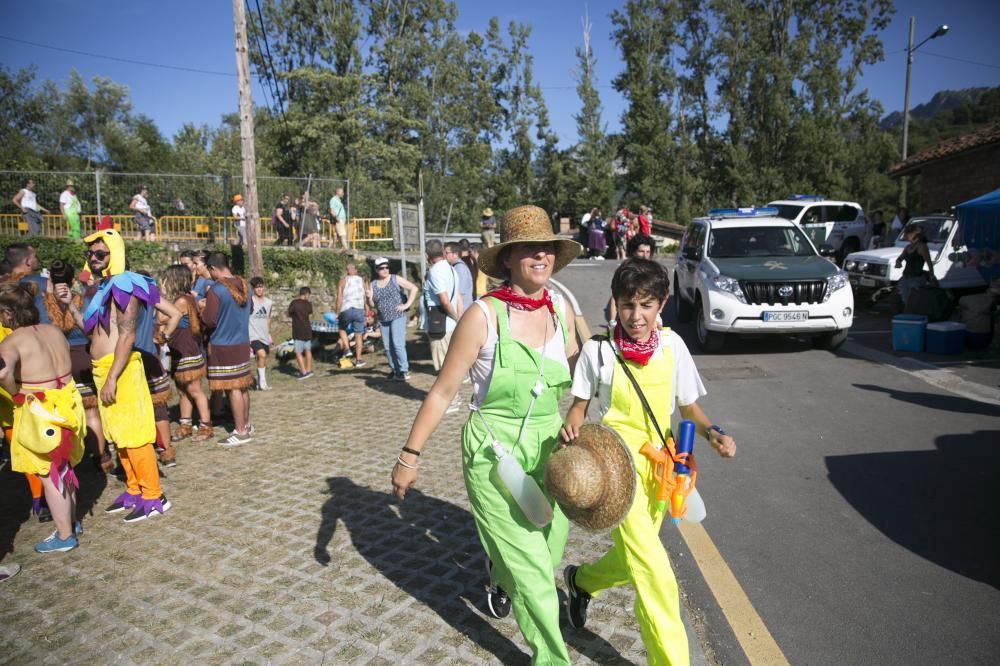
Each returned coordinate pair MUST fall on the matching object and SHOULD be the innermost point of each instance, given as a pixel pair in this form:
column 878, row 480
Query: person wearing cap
column 518, row 343
column 487, row 227
column 386, row 296
column 69, row 206
column 665, row 377
column 239, row 220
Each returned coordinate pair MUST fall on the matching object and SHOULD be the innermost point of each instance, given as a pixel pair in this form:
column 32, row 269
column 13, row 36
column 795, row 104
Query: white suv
column 840, row 224
column 749, row 271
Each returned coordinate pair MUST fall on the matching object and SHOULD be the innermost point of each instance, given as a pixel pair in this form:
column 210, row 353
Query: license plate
column 799, row 315
column 866, row 282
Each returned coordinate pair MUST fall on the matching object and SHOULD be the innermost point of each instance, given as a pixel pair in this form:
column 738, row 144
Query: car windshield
column 758, row 242
column 936, row 229
column 787, row 211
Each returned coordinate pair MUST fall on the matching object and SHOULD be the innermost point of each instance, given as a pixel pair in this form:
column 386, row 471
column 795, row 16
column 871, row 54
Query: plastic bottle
column 523, row 488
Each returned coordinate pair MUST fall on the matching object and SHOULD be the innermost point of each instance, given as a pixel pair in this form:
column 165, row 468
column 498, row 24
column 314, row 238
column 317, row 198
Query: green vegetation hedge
column 282, row 268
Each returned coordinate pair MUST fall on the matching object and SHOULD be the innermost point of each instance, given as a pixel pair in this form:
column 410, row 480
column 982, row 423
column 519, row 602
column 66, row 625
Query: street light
column 910, row 48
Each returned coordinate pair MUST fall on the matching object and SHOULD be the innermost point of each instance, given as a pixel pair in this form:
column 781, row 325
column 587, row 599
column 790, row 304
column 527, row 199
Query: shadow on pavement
column 942, row 401
column 402, row 389
column 429, row 549
column 942, row 505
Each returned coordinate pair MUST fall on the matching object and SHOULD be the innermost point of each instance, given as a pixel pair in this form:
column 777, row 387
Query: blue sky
column 199, row 34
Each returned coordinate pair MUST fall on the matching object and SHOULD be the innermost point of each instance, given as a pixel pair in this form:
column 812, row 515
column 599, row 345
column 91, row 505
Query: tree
column 593, row 160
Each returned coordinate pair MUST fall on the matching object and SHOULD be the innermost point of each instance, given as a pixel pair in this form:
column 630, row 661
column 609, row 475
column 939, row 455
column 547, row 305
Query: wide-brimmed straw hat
column 593, row 479
column 487, row 212
column 526, row 224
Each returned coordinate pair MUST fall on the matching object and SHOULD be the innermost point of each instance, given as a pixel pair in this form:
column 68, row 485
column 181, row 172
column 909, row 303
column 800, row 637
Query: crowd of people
column 299, row 222
column 597, row 234
column 85, row 357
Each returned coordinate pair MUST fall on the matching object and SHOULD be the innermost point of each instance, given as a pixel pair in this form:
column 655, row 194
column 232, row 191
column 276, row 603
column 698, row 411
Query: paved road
column 862, row 515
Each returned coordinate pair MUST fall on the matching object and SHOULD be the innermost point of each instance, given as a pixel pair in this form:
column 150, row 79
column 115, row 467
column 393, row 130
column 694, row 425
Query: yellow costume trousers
column 638, row 556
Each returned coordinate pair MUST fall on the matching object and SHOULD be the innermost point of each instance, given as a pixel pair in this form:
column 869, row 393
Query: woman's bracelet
column 407, row 449
column 400, row 461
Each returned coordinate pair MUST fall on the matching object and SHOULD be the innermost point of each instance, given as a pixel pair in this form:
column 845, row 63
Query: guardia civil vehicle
column 749, row 271
column 840, row 224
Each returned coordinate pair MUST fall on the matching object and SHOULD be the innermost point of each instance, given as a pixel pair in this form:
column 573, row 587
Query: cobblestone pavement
column 287, row 550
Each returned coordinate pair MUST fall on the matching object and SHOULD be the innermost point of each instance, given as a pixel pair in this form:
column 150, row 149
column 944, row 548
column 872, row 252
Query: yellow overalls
column 637, row 556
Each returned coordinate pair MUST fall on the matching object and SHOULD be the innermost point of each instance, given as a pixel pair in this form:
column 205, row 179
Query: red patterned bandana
column 638, row 352
column 521, row 302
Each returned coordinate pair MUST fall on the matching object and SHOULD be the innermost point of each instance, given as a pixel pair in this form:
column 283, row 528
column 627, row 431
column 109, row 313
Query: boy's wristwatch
column 716, row 429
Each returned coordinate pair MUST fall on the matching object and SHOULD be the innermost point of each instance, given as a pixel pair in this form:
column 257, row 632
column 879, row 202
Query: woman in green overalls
column 519, row 345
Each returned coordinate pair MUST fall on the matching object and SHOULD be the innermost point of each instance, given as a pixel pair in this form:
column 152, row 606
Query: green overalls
column 524, row 556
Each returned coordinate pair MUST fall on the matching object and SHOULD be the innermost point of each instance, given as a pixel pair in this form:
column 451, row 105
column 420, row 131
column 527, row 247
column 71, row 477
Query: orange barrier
column 369, row 229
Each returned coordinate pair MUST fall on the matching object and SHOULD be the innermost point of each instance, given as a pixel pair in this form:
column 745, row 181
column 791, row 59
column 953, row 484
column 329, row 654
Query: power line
column 267, row 48
column 192, row 70
column 968, row 62
column 269, row 92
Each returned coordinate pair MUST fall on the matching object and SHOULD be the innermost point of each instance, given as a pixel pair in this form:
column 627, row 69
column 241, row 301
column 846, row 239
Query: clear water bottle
column 523, row 488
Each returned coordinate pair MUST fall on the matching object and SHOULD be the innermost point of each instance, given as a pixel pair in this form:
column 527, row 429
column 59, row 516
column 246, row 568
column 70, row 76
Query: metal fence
column 184, row 206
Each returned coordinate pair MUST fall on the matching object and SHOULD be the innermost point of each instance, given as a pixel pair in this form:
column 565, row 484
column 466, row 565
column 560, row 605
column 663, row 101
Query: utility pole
column 247, row 139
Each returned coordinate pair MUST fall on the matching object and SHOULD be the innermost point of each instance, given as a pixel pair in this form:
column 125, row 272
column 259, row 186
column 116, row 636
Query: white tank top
column 28, row 200
column 481, row 372
column 354, row 293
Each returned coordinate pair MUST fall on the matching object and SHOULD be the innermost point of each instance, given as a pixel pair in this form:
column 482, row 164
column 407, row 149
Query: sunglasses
column 382, row 267
column 100, row 255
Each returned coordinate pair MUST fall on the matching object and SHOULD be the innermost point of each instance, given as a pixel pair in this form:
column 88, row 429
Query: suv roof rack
column 719, row 213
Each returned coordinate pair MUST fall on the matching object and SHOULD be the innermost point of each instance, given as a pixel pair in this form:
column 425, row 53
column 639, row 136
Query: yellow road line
column 751, row 632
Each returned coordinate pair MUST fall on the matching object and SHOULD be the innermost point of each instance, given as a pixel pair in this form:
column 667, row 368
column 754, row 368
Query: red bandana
column 638, row 352
column 521, row 302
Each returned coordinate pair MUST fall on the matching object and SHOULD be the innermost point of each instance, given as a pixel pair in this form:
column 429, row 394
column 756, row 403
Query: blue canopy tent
column 980, row 220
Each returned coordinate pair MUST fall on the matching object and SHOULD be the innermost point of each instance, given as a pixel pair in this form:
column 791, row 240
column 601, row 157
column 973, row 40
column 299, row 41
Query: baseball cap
column 381, row 260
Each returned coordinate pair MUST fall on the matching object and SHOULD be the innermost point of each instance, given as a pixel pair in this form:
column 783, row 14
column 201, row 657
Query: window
column 788, row 211
column 758, row 242
column 845, row 213
column 813, row 215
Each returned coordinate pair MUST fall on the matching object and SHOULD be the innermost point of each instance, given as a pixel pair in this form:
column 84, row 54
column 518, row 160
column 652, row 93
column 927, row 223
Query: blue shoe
column 77, row 530
column 54, row 544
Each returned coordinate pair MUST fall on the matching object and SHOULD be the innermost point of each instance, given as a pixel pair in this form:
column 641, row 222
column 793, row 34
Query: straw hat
column 487, row 212
column 593, row 479
column 526, row 224
column 69, row 182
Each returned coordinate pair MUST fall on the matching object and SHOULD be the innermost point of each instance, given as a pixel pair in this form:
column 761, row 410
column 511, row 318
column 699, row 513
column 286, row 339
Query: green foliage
column 291, row 269
column 150, row 257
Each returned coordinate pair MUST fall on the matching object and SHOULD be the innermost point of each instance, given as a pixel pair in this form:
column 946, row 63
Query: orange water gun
column 674, row 469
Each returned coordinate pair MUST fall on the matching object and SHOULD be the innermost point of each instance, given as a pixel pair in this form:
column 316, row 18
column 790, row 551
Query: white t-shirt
column 141, row 205
column 240, row 213
column 67, row 200
column 481, row 372
column 441, row 278
column 28, row 200
column 687, row 383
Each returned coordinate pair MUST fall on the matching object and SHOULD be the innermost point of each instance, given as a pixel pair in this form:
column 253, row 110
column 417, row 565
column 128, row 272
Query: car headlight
column 836, row 281
column 850, row 264
column 729, row 285
column 862, row 266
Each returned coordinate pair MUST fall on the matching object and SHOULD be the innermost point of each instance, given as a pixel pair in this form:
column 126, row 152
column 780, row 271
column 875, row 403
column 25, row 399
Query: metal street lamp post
column 910, row 48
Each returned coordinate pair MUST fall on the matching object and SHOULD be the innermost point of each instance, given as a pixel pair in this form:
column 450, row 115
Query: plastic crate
column 908, row 333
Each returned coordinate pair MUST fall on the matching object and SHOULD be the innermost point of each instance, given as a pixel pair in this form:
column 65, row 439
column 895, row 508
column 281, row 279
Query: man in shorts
column 27, row 203
column 338, row 215
column 300, row 310
column 260, row 329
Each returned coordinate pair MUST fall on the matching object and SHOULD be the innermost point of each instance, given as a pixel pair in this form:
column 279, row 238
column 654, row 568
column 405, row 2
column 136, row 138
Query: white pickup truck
column 873, row 271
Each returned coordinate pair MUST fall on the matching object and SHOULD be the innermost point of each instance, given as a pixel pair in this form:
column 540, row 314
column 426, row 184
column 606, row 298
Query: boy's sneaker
column 360, row 363
column 235, row 439
column 578, row 600
column 168, row 458
column 496, row 599
column 305, row 375
column 122, row 502
column 53, row 544
column 148, row 508
column 402, row 377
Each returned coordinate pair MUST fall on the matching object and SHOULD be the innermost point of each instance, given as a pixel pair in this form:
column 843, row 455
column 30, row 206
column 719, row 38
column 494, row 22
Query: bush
column 282, row 268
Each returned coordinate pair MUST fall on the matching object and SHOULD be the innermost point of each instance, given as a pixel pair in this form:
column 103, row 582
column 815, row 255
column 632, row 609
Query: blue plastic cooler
column 908, row 332
column 945, row 337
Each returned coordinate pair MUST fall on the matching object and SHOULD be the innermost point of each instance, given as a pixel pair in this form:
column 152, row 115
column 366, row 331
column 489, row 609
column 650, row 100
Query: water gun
column 685, row 471
column 674, row 470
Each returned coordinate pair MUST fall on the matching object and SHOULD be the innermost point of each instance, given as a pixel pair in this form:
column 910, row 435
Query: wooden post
column 247, row 140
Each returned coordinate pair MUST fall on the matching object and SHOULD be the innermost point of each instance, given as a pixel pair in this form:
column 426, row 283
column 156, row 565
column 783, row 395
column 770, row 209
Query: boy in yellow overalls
column 666, row 375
